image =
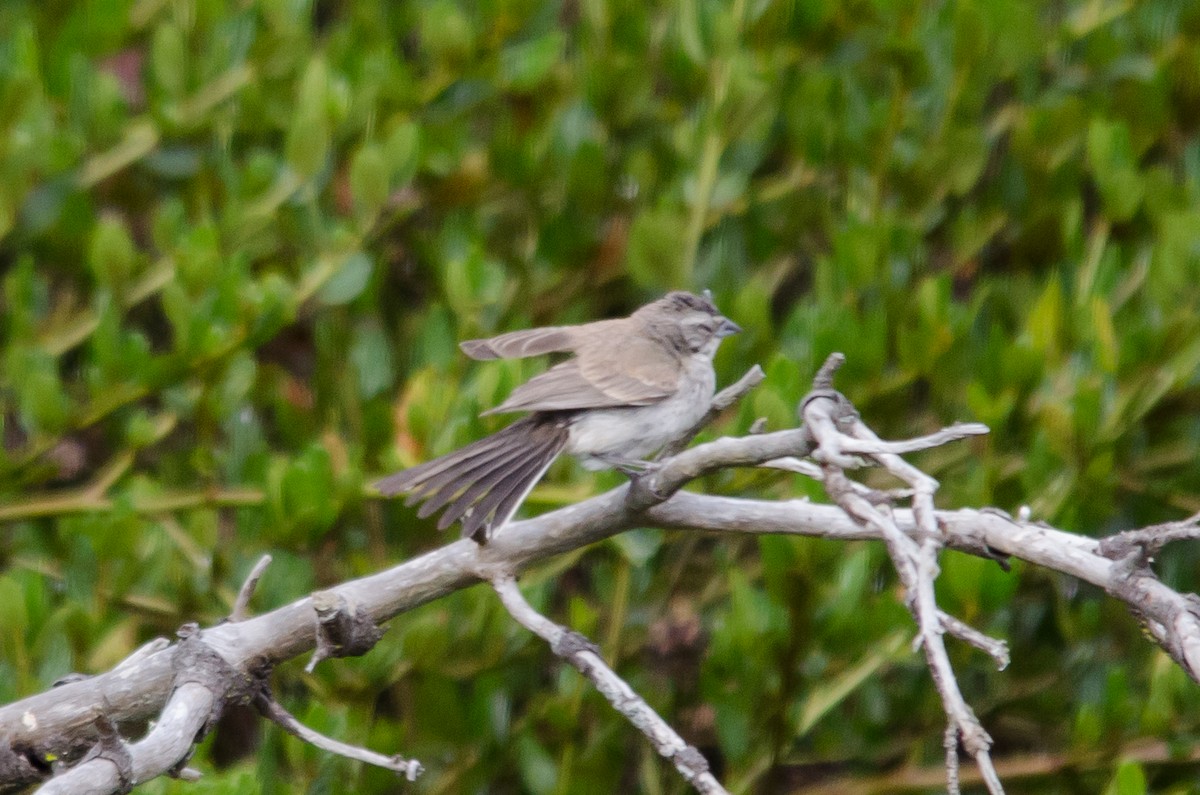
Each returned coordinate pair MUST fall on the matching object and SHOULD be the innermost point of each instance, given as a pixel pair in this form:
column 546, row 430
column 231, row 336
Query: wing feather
column 613, row 366
column 633, row 368
column 519, row 344
column 563, row 388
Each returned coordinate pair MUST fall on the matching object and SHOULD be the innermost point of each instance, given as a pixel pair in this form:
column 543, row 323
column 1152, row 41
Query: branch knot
column 113, row 750
column 569, row 643
column 341, row 630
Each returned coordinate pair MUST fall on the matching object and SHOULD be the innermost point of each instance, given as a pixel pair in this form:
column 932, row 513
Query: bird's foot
column 639, row 471
column 631, row 468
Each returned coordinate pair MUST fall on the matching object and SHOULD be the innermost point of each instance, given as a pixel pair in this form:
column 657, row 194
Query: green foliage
column 239, row 243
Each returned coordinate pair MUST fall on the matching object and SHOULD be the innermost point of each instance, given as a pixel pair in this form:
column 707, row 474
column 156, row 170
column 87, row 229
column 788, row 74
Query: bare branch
column 342, row 629
column 585, row 656
column 657, row 485
column 61, row 723
column 1149, row 540
column 166, row 746
column 876, row 446
column 273, row 710
column 242, row 603
column 827, row 414
column 993, row 647
column 824, row 377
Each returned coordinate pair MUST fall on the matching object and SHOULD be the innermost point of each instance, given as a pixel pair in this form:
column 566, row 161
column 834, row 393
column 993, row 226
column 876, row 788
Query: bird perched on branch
column 633, row 385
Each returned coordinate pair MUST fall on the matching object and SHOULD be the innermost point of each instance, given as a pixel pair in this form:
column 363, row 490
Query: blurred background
column 239, row 242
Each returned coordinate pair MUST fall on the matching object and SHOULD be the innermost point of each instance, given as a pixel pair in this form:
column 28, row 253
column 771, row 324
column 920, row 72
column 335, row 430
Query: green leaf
column 526, row 65
column 199, row 257
column 348, row 282
column 140, row 429
column 111, row 255
column 26, row 296
column 1130, row 779
column 41, row 395
column 1114, row 167
column 403, row 151
column 1045, row 321
column 308, row 134
column 691, row 35
column 307, row 488
column 8, row 210
column 13, row 615
column 371, row 354
column 836, row 689
column 733, row 727
column 168, row 59
column 369, row 179
column 638, row 546
column 656, row 248
column 539, row 773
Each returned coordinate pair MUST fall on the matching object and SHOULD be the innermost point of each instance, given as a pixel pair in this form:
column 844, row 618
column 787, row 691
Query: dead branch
column 61, row 723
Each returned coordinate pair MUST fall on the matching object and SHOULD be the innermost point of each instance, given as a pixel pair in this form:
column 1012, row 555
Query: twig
column 583, row 655
column 814, row 472
column 876, row 447
column 841, row 435
column 71, row 502
column 792, row 464
column 242, row 603
column 993, row 647
column 1149, row 540
column 274, row 711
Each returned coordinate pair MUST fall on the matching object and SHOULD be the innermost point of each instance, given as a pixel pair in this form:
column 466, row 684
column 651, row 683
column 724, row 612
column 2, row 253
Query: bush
column 238, row 244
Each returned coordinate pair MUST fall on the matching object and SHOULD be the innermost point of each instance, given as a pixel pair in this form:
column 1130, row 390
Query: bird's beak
column 728, row 328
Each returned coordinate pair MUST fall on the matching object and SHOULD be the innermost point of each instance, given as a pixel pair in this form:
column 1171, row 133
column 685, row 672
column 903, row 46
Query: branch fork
column 204, row 683
column 842, row 442
column 584, row 655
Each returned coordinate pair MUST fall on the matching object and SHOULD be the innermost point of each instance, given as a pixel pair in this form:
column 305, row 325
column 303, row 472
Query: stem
column 710, row 153
column 79, row 502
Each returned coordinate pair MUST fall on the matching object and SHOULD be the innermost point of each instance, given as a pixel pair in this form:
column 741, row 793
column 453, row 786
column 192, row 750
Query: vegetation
column 239, row 243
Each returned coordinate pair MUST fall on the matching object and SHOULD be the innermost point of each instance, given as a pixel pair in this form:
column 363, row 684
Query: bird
column 630, row 386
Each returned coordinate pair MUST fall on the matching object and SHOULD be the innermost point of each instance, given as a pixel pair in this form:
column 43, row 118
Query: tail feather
column 475, row 506
column 438, row 492
column 501, row 502
column 478, row 483
column 409, row 479
column 461, row 468
column 484, row 483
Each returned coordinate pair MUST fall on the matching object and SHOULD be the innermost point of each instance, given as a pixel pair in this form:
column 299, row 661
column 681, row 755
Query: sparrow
column 631, row 386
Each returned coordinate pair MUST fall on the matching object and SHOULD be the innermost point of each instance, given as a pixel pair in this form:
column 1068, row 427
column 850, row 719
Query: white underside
column 634, row 432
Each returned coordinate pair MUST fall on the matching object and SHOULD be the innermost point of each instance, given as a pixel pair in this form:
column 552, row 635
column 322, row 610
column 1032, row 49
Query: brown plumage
column 486, row 480
column 631, row 385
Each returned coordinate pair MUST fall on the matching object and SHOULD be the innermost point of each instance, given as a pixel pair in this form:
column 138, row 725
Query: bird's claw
column 631, row 468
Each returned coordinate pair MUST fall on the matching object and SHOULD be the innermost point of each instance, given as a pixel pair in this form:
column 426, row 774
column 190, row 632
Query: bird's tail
column 485, row 482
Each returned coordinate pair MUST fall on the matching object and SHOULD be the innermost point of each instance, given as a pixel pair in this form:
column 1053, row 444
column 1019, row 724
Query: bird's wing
column 632, row 368
column 608, row 372
column 519, row 344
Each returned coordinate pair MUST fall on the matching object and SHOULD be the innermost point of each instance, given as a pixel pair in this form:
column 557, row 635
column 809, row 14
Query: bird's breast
column 638, row 431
